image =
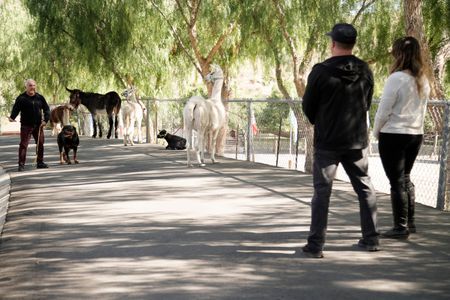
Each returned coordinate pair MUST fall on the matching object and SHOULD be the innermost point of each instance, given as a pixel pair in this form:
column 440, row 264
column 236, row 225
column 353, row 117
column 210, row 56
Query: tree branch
column 176, row 36
column 180, row 8
column 306, row 60
column 103, row 51
column 192, row 33
column 440, row 61
column 442, row 57
column 290, row 42
column 62, row 29
column 364, row 6
column 278, row 74
column 195, row 10
column 219, row 42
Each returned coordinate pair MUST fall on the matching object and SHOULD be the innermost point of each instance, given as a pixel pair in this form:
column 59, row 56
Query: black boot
column 411, row 193
column 396, row 233
column 400, row 211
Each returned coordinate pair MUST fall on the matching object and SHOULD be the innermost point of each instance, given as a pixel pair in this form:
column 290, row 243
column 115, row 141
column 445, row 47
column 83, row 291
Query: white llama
column 132, row 111
column 205, row 117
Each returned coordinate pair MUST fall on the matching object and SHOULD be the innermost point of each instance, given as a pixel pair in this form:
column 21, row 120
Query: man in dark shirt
column 337, row 97
column 30, row 105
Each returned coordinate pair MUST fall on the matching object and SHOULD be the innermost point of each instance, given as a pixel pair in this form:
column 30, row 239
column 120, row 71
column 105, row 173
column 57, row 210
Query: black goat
column 174, row 142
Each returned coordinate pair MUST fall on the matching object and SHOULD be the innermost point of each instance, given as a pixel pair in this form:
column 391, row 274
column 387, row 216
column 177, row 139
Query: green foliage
column 13, row 38
column 237, row 115
column 270, row 116
column 437, row 21
column 97, row 45
column 96, row 32
column 436, row 14
column 106, row 41
column 378, row 28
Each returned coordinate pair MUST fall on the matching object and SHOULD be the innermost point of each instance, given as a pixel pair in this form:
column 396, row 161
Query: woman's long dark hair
column 407, row 56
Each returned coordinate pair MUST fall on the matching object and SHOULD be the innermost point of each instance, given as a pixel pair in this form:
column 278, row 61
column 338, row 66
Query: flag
column 253, row 125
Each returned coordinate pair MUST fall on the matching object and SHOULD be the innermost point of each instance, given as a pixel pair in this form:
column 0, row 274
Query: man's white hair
column 29, row 80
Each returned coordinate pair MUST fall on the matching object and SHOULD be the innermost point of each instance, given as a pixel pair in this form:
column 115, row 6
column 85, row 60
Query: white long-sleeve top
column 401, row 109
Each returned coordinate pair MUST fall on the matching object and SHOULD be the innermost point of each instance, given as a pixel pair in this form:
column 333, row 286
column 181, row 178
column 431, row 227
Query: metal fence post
column 279, row 141
column 296, row 146
column 147, row 122
column 249, row 130
column 444, row 163
column 237, row 143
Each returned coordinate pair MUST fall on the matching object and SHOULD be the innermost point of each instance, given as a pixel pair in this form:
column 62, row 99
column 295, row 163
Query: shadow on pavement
column 135, row 223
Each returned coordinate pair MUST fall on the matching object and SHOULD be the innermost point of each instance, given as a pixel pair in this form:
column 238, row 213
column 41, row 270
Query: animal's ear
column 69, row 90
column 215, row 68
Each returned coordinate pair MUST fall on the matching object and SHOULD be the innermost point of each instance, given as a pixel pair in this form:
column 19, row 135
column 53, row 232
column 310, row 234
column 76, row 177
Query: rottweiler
column 68, row 139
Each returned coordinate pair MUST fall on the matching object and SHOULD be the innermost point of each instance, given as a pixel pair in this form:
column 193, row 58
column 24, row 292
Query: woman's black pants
column 398, row 153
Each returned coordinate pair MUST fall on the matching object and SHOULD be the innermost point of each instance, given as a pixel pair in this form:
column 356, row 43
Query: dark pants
column 25, row 135
column 355, row 163
column 398, row 153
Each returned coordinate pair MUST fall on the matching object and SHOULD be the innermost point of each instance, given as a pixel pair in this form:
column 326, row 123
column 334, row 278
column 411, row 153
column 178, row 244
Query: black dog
column 68, row 139
column 174, row 142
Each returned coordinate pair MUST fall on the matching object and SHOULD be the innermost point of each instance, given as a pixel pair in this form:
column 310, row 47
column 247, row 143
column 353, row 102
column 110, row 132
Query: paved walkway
column 135, row 223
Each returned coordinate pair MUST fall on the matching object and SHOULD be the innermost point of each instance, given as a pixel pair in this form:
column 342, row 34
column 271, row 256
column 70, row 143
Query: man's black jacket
column 337, row 98
column 30, row 108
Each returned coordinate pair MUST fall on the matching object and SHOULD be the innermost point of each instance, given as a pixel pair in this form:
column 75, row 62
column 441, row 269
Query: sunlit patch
column 269, row 245
column 379, row 285
column 290, row 252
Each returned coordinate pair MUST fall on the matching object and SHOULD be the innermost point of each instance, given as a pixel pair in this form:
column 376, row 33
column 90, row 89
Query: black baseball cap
column 344, row 33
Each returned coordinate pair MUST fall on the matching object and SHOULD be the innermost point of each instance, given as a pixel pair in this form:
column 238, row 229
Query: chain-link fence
column 275, row 132
column 287, row 147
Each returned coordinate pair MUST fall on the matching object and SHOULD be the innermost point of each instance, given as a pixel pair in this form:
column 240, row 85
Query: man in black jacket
column 30, row 105
column 337, row 97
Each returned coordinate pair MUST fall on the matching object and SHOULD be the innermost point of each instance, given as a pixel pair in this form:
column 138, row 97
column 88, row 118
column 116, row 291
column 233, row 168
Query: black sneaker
column 312, row 253
column 41, row 165
column 21, row 168
column 396, row 233
column 369, row 245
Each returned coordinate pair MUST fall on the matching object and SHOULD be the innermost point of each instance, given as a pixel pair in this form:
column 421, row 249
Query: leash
column 37, row 143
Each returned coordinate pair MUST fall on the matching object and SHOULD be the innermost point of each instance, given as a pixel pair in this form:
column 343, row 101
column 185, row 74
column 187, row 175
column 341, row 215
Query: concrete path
column 135, row 223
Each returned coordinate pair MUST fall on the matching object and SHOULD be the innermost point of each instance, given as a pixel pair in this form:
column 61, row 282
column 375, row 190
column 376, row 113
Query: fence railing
column 266, row 131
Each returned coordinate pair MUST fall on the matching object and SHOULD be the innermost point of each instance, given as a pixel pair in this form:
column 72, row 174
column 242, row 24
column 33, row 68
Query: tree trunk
column 414, row 27
column 299, row 70
column 222, row 137
column 441, row 59
column 205, row 61
column 305, row 129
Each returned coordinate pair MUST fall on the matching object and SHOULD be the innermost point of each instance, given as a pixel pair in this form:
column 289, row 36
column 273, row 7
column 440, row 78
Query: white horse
column 205, row 117
column 133, row 110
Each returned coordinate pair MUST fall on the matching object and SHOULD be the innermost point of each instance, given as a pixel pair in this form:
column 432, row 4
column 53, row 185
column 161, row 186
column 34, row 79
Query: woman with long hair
column 399, row 129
